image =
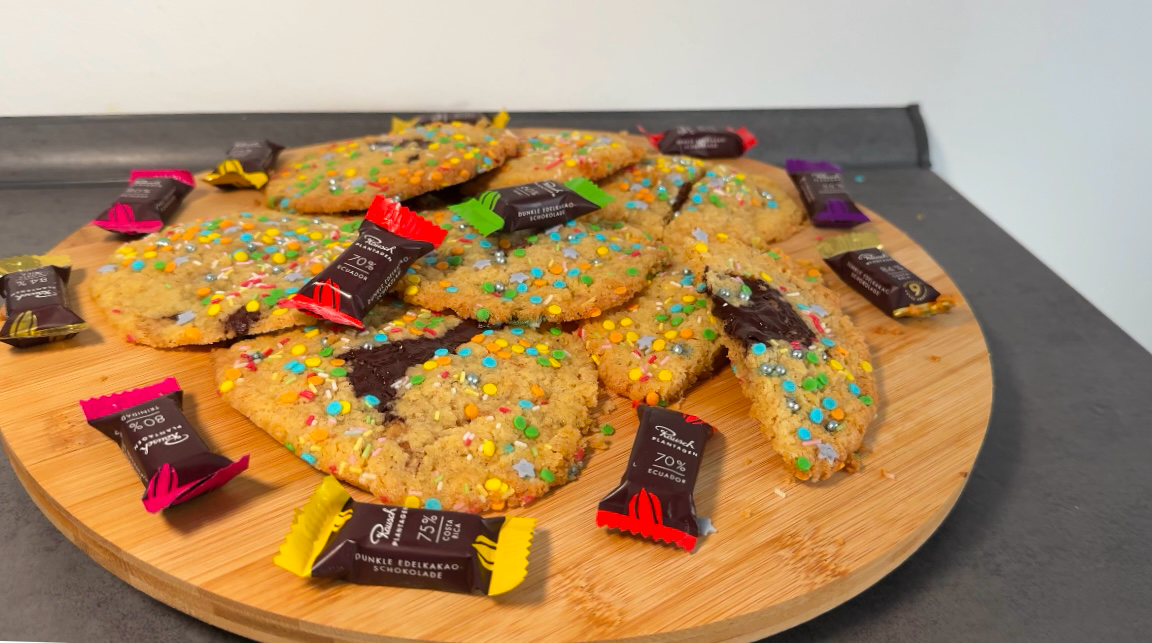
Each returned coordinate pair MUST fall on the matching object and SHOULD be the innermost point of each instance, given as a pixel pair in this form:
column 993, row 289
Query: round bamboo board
column 784, row 552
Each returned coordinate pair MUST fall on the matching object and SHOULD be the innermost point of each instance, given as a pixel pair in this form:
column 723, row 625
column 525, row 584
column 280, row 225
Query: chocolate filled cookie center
column 372, row 371
column 765, row 316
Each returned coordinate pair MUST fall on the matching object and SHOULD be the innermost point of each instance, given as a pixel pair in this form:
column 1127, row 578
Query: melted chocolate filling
column 372, row 371
column 240, row 321
column 764, row 317
column 681, row 197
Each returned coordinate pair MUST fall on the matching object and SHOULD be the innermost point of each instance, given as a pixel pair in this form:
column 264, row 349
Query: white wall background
column 1039, row 110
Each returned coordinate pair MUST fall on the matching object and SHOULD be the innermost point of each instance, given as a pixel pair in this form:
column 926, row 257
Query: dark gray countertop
column 1050, row 540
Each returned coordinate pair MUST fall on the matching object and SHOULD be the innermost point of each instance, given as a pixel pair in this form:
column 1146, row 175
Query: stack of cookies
column 472, row 387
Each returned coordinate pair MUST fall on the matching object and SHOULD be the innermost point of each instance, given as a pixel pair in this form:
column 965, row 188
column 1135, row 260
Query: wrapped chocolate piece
column 165, row 449
column 654, row 500
column 144, row 207
column 858, row 260
column 531, row 206
column 821, row 186
column 704, row 141
column 35, row 293
column 246, row 166
column 334, row 536
column 391, row 238
column 472, row 118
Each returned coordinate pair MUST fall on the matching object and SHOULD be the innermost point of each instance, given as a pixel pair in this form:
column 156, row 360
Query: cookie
column 420, row 409
column 346, row 175
column 564, row 273
column 560, row 157
column 658, row 344
column 207, row 281
column 799, row 358
column 726, row 201
column 649, row 193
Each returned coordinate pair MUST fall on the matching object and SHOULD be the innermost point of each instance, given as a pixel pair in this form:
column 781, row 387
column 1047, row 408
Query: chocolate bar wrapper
column 164, row 448
column 654, row 499
column 391, row 238
column 858, row 260
column 704, row 142
column 499, row 121
column 35, row 293
column 246, row 166
column 334, row 536
column 144, row 207
column 821, row 186
column 531, row 206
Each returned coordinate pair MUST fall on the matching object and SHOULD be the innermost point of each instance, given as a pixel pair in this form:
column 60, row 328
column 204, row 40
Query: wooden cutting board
column 784, row 552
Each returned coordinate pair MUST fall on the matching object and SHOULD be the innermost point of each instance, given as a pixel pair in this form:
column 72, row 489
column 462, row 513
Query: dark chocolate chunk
column 682, row 195
column 765, row 316
column 372, row 371
column 240, row 321
column 655, row 496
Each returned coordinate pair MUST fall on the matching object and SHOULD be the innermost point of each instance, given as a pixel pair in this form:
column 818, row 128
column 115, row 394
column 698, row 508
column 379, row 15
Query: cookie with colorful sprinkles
column 649, row 193
column 420, row 409
column 657, row 345
column 561, row 157
column 800, row 360
column 568, row 272
column 727, row 201
column 346, row 175
column 206, row 281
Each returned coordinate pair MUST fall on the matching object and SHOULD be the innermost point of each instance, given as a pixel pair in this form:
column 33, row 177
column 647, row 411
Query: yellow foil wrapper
column 313, row 525
column 30, row 262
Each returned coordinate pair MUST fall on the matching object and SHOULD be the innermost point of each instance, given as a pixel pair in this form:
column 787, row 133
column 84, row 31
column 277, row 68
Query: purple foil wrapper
column 821, row 186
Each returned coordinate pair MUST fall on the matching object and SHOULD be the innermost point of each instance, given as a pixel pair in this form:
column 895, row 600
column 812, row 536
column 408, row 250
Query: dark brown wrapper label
column 531, row 206
column 704, row 141
column 246, row 166
column 36, row 307
column 417, row 548
column 166, row 451
column 880, row 279
column 334, row 536
column 452, row 117
column 654, row 499
column 144, row 207
column 391, row 238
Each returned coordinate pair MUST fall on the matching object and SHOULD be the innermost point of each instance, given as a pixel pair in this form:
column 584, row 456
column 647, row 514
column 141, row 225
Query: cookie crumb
column 747, row 513
column 780, row 493
column 934, row 358
column 919, row 216
column 963, row 474
column 888, row 474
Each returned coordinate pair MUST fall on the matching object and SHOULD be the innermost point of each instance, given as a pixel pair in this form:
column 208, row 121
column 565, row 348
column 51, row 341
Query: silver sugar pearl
column 253, row 245
column 162, row 242
column 498, row 287
column 285, row 219
column 724, row 293
column 472, row 379
column 824, row 355
column 277, row 270
column 687, row 271
column 793, row 405
column 679, row 349
column 797, row 353
column 209, row 277
column 832, row 426
column 572, row 238
column 780, row 371
column 597, row 262
column 463, row 226
column 745, row 296
column 500, row 258
column 767, row 369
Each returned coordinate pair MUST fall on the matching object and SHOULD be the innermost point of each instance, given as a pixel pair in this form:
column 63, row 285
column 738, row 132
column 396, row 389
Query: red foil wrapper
column 654, row 499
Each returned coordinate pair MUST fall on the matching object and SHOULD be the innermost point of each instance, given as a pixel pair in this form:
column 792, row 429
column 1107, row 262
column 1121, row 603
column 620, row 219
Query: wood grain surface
column 784, row 552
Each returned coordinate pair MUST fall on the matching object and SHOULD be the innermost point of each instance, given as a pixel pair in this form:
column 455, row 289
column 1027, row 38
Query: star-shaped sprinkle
column 107, row 269
column 705, row 526
column 518, row 277
column 525, row 469
column 700, row 235
column 645, row 342
column 185, row 317
column 570, row 253
column 357, row 183
column 481, row 264
column 180, row 261
column 827, row 452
